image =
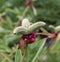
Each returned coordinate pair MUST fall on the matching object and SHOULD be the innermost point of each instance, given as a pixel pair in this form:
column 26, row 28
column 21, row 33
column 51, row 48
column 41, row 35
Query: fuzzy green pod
column 57, row 29
column 20, row 29
column 36, row 26
column 30, row 29
column 52, row 28
column 27, row 28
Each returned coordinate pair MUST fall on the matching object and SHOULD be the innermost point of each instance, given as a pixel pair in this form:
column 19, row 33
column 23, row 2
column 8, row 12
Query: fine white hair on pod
column 26, row 23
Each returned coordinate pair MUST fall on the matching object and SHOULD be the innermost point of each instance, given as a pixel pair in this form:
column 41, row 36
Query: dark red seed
column 30, row 38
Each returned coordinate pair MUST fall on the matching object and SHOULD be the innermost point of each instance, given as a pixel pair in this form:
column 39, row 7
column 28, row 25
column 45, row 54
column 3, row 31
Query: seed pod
column 52, row 28
column 35, row 26
column 26, row 23
column 57, row 29
column 20, row 29
column 26, row 28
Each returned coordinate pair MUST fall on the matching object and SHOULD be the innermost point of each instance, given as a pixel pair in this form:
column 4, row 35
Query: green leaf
column 38, row 52
column 18, row 55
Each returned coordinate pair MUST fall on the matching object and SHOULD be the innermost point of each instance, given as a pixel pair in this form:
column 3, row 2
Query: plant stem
column 25, row 11
column 44, row 33
column 24, row 54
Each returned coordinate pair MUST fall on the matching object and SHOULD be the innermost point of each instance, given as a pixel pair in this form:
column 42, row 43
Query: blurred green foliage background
column 11, row 13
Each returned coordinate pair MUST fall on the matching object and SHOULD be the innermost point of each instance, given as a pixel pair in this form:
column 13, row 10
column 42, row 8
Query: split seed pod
column 27, row 28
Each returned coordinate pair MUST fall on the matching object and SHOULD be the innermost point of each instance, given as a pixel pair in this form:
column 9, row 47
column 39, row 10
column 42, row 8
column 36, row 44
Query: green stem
column 25, row 11
column 24, row 55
